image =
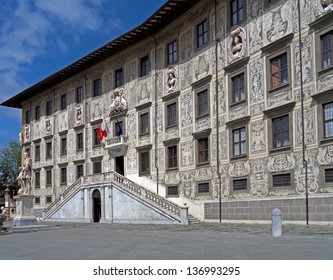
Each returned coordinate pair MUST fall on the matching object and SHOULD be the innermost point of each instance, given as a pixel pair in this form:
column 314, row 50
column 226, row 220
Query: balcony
column 117, row 146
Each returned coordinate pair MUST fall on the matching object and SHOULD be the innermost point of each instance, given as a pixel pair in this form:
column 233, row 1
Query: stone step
column 193, row 220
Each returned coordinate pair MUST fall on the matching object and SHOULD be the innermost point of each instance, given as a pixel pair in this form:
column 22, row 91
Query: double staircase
column 148, row 198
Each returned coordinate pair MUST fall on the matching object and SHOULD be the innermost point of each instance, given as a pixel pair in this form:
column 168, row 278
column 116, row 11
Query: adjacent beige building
column 203, row 104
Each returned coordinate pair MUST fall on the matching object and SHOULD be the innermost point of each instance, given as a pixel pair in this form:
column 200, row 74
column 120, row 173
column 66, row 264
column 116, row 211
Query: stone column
column 24, row 211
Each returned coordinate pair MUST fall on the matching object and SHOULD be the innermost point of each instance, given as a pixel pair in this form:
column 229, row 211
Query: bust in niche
column 327, row 5
column 237, row 45
column 171, row 79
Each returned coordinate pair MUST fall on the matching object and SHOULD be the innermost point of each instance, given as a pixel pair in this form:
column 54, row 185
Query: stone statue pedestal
column 24, row 211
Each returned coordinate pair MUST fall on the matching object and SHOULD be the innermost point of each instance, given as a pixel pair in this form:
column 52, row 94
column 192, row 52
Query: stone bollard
column 276, row 222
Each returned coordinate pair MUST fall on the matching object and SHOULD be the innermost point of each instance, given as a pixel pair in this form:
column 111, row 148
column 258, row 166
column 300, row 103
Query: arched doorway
column 96, row 197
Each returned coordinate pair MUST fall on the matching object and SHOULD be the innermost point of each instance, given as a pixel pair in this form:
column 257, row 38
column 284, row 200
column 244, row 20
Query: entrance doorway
column 120, row 165
column 96, row 197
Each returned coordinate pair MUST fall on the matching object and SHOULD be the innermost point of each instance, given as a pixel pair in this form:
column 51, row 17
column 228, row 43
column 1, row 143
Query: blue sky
column 40, row 37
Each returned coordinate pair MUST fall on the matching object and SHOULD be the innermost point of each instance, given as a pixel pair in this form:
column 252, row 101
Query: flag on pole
column 101, row 133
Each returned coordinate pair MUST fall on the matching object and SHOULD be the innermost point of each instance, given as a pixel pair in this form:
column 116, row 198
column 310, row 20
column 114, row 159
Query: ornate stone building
column 201, row 103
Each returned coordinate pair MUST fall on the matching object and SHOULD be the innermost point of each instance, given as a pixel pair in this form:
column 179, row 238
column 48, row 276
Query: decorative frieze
column 281, row 162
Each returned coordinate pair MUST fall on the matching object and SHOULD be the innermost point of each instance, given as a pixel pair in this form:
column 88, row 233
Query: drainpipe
column 84, row 116
column 155, row 121
column 217, row 114
column 53, row 148
column 305, row 163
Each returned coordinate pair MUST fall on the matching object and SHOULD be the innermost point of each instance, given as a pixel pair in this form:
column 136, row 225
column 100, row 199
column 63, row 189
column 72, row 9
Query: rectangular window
column 37, row 113
column 97, row 167
column 49, row 108
column 63, row 146
column 238, row 88
column 202, row 103
column 239, row 141
column 63, row 102
column 119, row 77
column 48, row 149
column 79, row 94
column 203, row 188
column 173, row 190
column 202, row 33
column 239, row 184
column 48, row 199
column 327, row 50
column 37, row 179
column 79, row 141
column 97, row 87
column 144, row 123
column 237, row 11
column 172, row 54
column 37, row 200
column 63, row 175
column 48, row 177
column 37, row 153
column 281, row 132
column 79, row 171
column 27, row 116
column 279, row 70
column 172, row 157
column 281, row 180
column 329, row 175
column 144, row 162
column 171, row 115
column 96, row 140
column 328, row 119
column 118, row 128
column 144, row 66
column 203, row 150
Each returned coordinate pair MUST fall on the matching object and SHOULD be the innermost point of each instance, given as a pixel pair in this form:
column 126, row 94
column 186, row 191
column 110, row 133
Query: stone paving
column 196, row 241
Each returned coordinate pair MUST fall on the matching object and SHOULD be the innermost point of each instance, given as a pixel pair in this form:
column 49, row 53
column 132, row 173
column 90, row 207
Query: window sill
column 324, row 71
column 235, row 104
column 172, row 169
column 326, row 141
column 202, row 163
column 234, row 158
column 280, row 150
column 279, row 88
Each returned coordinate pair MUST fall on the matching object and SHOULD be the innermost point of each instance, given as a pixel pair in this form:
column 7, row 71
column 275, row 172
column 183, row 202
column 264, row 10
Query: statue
column 48, row 126
column 24, row 177
column 172, row 79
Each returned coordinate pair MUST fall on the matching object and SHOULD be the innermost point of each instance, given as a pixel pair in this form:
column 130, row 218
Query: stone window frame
column 49, row 108
column 63, row 101
column 322, row 27
column 97, row 87
column 79, row 94
column 144, row 66
column 48, row 199
column 36, row 200
column 173, row 52
column 322, row 98
column 79, row 142
column 48, row 149
column 176, row 194
column 37, row 152
column 77, row 165
column 27, row 116
column 204, row 34
column 96, row 143
column 37, row 113
column 63, row 174
column 285, row 109
column 119, row 77
column 229, row 14
column 63, row 149
column 114, row 127
column 140, row 127
column 167, row 104
column 239, row 143
column 290, row 186
column 199, row 136
column 37, row 179
column 144, row 150
column 97, row 167
column 322, row 177
column 48, row 176
column 233, row 179
column 203, row 183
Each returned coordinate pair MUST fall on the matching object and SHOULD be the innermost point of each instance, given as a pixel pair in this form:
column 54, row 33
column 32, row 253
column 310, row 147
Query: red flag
column 101, row 133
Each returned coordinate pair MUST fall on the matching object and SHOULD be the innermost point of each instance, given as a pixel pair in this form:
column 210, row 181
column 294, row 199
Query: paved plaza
column 203, row 241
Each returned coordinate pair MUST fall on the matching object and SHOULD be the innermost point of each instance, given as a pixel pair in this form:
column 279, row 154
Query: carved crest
column 118, row 103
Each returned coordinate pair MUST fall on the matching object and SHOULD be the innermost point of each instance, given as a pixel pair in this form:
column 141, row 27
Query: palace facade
column 215, row 105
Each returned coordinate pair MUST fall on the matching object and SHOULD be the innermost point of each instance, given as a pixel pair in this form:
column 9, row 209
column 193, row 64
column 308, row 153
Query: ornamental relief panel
column 79, row 115
column 255, row 26
column 307, row 92
column 307, row 14
column 225, row 193
column 187, row 178
column 257, row 109
column 63, row 122
column 172, row 178
column 281, row 162
column 186, row 109
column 223, row 148
column 202, row 67
column 238, row 112
column 131, row 127
column 186, row 149
column 144, row 140
column 202, row 123
column 131, row 161
column 236, row 44
column 259, row 178
column 203, row 174
column 309, row 126
column 71, row 174
column 71, row 143
column 256, row 81
column 221, row 96
column 325, row 83
column 186, row 41
column 188, row 191
column 280, row 98
column 171, row 133
column 257, row 137
column 313, row 172
column 307, row 58
column 171, row 80
column 144, row 93
column 96, row 109
column 186, row 132
column 48, row 126
column 325, row 155
column 37, row 131
column 158, row 118
column 277, row 22
column 239, row 168
column 118, row 103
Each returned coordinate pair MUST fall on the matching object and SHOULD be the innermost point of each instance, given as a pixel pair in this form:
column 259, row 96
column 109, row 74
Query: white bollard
column 276, row 222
